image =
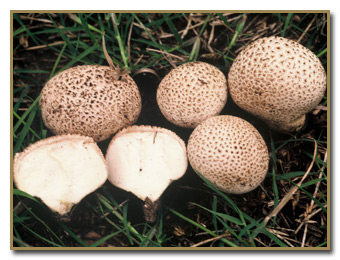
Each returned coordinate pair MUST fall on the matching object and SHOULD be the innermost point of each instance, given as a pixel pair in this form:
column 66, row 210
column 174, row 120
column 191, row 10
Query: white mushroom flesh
column 145, row 162
column 60, row 171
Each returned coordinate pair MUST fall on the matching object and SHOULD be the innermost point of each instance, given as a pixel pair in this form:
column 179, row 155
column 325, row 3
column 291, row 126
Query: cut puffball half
column 60, row 170
column 144, row 160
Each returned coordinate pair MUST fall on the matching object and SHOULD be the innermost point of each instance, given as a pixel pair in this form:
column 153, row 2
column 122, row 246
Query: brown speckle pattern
column 278, row 80
column 229, row 152
column 87, row 100
column 191, row 93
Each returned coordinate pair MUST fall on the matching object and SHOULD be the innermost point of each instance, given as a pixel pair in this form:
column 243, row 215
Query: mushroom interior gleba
column 60, row 170
column 144, row 160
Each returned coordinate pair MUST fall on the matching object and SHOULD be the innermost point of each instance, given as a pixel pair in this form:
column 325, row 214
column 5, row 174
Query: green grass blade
column 195, row 50
column 312, row 182
column 47, row 228
column 57, row 61
column 229, row 243
column 19, row 31
column 104, row 239
column 128, row 225
column 63, row 36
column 30, row 129
column 322, row 244
column 290, row 175
column 261, row 228
column 24, row 194
column 225, row 197
column 274, row 159
column 172, row 27
column 79, row 57
column 41, row 237
column 224, row 20
column 25, row 129
column 148, row 236
column 73, row 235
column 119, row 40
column 238, row 30
column 317, row 160
column 222, row 215
column 79, row 21
column 145, row 29
column 27, row 112
column 214, row 209
column 29, row 71
column 86, row 27
column 324, row 51
column 32, row 36
column 20, row 242
column 287, row 23
column 20, row 98
column 312, row 197
column 204, row 26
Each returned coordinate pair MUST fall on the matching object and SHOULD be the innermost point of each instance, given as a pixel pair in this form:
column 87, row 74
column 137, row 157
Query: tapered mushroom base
column 287, row 127
column 150, row 209
column 145, row 160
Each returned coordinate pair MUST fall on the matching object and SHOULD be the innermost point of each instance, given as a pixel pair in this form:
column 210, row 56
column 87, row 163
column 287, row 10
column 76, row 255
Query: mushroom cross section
column 60, row 170
column 144, row 160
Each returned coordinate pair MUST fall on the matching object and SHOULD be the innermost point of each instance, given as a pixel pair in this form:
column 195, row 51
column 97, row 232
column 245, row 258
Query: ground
column 192, row 213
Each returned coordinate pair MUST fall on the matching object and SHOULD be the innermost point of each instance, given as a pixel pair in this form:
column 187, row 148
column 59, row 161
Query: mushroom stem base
column 150, row 209
column 65, row 218
column 288, row 127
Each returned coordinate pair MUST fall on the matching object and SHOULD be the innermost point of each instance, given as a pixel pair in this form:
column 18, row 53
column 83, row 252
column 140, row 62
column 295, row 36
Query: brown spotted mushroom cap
column 87, row 100
column 278, row 80
column 191, row 93
column 60, row 170
column 230, row 153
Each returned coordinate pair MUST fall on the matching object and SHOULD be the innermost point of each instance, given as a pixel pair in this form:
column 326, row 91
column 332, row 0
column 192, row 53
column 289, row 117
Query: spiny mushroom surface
column 60, row 170
column 191, row 93
column 278, row 80
column 229, row 152
column 144, row 160
column 89, row 100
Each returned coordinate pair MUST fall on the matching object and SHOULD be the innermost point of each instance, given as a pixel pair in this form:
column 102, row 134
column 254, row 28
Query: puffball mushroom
column 192, row 92
column 144, row 160
column 278, row 80
column 60, row 170
column 90, row 100
column 230, row 153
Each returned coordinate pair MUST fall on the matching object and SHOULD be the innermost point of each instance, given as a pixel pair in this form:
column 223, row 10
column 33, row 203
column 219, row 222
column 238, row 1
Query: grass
column 193, row 212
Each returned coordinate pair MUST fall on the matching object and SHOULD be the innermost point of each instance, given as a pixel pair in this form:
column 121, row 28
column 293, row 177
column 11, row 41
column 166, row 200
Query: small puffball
column 191, row 93
column 230, row 153
column 278, row 80
column 89, row 100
